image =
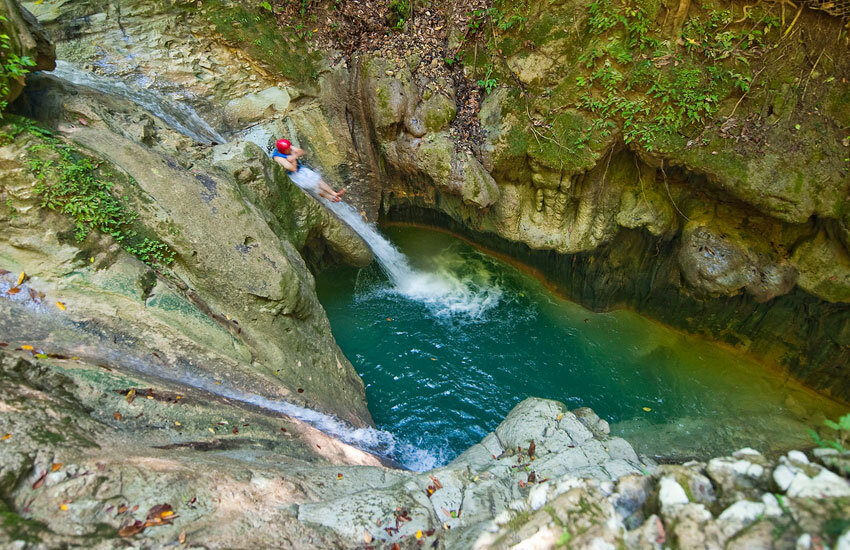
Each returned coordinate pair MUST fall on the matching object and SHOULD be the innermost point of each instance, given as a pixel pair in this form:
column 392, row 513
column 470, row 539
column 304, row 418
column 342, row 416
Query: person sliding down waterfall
column 287, row 156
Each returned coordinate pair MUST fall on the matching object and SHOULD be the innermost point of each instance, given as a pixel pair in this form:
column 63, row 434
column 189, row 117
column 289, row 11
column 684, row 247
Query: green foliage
column 398, row 13
column 72, row 183
column 842, row 430
column 653, row 90
column 12, row 65
column 266, row 6
column 488, row 82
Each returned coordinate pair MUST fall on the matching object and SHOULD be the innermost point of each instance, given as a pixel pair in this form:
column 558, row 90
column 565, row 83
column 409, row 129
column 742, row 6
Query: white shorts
column 306, row 179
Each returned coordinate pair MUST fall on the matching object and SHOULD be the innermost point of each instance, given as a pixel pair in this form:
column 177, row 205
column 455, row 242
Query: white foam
column 444, row 293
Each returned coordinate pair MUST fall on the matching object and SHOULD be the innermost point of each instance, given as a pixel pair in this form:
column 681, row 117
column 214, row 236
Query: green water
column 441, row 380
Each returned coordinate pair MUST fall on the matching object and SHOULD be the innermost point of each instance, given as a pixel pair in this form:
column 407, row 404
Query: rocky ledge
column 91, row 457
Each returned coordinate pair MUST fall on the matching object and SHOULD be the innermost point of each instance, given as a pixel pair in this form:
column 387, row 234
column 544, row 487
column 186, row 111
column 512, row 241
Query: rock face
column 237, row 302
column 87, row 452
column 25, row 38
column 126, row 386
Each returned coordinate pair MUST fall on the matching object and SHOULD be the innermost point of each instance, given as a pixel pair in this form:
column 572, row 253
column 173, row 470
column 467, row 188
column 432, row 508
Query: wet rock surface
column 116, row 403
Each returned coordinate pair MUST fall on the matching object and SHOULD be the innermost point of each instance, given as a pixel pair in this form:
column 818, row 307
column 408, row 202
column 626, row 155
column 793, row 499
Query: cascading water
column 179, row 116
column 442, row 292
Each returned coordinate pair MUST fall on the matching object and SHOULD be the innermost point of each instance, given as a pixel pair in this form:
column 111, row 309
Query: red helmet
column 283, row 146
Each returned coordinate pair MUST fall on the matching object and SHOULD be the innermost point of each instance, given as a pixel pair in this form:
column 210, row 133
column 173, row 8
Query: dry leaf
column 27, row 347
column 131, row 529
column 63, row 507
column 21, row 278
column 182, row 538
column 131, row 395
column 437, row 483
column 56, row 467
column 367, row 537
column 13, row 290
column 531, row 449
column 117, row 416
column 339, row 476
column 418, row 535
column 5, row 437
column 40, row 481
column 60, row 305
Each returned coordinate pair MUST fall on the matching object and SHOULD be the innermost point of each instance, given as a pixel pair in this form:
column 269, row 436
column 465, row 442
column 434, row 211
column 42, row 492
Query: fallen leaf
column 27, row 348
column 300, row 390
column 647, row 409
column 117, row 416
column 83, row 121
column 63, row 507
column 211, row 431
column 13, row 290
column 40, row 481
column 531, row 448
column 182, row 538
column 389, row 318
column 396, row 546
column 131, row 395
column 5, row 437
column 235, row 431
column 131, row 529
column 418, row 534
column 55, row 467
column 160, row 514
column 176, row 423
column 339, row 476
column 60, row 305
column 21, row 278
column 122, row 508
column 437, row 483
column 367, row 537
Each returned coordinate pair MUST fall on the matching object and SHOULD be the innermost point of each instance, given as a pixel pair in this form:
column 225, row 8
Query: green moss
column 256, row 32
column 73, row 183
column 798, row 182
column 46, row 436
column 19, row 528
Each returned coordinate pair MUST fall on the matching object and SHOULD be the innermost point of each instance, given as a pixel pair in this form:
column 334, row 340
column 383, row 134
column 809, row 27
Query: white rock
column 544, row 538
column 843, row 542
column 743, row 511
column 824, row 484
column 537, row 497
column 798, row 456
column 804, row 542
column 502, row 517
column 746, row 451
column 783, row 476
column 671, row 494
column 771, row 505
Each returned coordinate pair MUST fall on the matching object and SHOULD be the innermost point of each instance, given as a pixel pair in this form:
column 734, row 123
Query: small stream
column 446, row 356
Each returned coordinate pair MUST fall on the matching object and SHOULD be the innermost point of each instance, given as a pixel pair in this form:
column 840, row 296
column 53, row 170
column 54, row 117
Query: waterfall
column 443, row 292
column 178, row 115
